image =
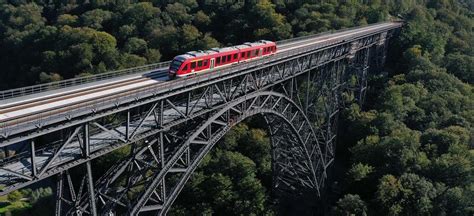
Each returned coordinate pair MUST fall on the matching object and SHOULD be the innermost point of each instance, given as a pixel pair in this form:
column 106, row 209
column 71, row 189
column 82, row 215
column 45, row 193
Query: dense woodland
column 410, row 151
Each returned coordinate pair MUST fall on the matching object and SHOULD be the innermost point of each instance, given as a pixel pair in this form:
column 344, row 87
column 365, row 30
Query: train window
column 235, row 56
column 193, row 65
column 199, row 63
column 256, row 52
column 265, row 50
column 185, row 67
column 205, row 62
column 243, row 55
column 218, row 60
column 248, row 54
column 228, row 57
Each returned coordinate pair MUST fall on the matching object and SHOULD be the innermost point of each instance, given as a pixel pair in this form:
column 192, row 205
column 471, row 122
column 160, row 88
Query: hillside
column 410, row 151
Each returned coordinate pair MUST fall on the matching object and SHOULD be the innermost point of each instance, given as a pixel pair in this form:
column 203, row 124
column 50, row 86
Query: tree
column 201, row 19
column 15, row 196
column 67, row 19
column 452, row 169
column 408, row 195
column 131, row 60
column 96, row 19
column 462, row 66
column 140, row 14
column 226, row 183
column 360, row 171
column 178, row 14
column 45, row 78
column 268, row 23
column 351, row 205
column 135, row 45
column 153, row 56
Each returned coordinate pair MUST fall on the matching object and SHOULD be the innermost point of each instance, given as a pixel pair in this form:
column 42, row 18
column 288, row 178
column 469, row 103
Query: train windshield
column 175, row 64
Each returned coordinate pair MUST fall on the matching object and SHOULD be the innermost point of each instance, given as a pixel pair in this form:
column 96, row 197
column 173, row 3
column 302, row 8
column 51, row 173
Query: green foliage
column 225, row 183
column 28, row 202
column 360, row 171
column 45, row 78
column 418, row 139
column 408, row 195
column 47, row 42
column 408, row 154
column 351, row 205
column 135, row 45
column 14, row 196
column 462, row 66
column 96, row 19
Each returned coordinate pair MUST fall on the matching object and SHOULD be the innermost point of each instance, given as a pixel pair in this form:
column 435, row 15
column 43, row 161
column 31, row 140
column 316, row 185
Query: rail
column 18, row 92
column 282, row 42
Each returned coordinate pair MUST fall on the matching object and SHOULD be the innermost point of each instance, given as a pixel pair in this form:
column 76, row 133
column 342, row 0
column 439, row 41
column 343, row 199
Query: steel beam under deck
column 172, row 127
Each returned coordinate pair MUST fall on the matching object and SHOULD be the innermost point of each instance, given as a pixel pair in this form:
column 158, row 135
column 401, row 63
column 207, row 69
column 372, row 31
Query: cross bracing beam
column 313, row 79
column 233, row 88
column 200, row 142
column 57, row 119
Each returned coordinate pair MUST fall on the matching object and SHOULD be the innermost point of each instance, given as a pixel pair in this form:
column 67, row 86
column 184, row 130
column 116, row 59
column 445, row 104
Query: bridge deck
column 23, row 113
column 36, row 107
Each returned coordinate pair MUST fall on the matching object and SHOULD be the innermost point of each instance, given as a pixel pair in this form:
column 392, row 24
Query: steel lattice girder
column 300, row 157
column 93, row 111
column 160, row 113
column 162, row 199
column 199, row 100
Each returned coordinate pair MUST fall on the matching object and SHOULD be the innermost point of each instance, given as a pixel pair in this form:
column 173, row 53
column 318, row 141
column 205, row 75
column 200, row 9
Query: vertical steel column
column 308, row 81
column 33, row 158
column 292, row 86
column 162, row 161
column 188, row 101
column 127, row 126
column 85, row 139
column 90, row 181
column 59, row 192
column 160, row 118
column 364, row 64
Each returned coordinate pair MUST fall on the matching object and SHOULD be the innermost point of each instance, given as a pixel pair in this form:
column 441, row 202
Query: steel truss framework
column 169, row 134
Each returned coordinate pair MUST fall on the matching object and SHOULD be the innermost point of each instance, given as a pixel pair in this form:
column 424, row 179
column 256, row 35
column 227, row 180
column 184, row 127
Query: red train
column 197, row 62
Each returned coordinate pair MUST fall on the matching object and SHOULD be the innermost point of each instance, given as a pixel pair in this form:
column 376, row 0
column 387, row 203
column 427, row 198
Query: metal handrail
column 23, row 91
column 162, row 87
column 18, row 92
column 281, row 42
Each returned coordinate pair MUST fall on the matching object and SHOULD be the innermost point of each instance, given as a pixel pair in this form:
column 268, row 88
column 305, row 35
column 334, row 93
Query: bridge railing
column 18, row 92
column 281, row 42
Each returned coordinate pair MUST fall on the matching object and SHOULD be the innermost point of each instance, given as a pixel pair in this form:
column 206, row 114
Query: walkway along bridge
column 170, row 125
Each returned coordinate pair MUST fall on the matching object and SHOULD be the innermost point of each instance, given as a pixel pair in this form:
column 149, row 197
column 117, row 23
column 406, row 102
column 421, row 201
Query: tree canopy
column 410, row 148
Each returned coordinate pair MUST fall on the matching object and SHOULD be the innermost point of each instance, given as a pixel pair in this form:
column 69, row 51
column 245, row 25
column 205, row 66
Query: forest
column 410, row 149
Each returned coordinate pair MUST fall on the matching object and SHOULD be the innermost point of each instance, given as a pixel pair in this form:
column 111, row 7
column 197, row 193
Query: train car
column 198, row 62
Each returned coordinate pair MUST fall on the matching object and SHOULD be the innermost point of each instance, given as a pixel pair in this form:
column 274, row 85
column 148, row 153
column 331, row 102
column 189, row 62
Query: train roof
column 201, row 53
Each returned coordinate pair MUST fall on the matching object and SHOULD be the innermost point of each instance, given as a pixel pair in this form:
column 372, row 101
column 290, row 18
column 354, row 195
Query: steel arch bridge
column 170, row 128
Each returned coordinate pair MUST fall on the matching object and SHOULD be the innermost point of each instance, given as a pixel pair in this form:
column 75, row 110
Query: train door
column 260, row 52
column 212, row 63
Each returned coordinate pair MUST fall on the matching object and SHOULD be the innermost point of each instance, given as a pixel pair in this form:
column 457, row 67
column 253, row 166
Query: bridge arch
column 296, row 153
